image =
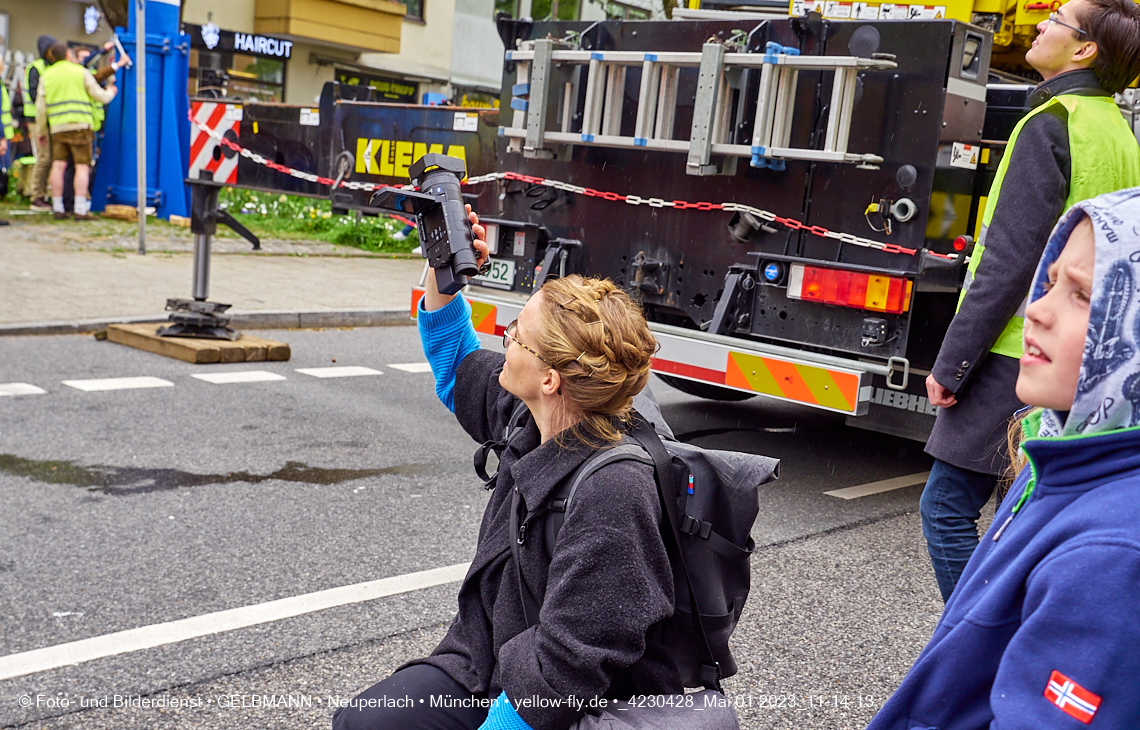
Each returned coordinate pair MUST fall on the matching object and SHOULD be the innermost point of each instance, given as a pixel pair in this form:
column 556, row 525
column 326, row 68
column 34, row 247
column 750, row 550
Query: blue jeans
column 951, row 505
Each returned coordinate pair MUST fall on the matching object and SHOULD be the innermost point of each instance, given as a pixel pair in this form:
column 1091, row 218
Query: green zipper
column 1033, row 421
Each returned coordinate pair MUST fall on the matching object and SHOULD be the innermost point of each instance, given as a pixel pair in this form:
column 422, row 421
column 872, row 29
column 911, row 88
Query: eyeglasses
column 509, row 337
column 1053, row 19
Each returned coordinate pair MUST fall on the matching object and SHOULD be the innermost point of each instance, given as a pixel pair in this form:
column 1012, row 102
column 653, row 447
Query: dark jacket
column 972, row 434
column 604, row 595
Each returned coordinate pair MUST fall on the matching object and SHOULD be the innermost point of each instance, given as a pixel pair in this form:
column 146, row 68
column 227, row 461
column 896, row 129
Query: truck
column 792, row 200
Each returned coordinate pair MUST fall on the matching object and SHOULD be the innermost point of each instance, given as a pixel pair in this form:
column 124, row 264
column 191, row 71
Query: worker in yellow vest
column 37, row 128
column 6, row 125
column 1072, row 146
column 67, row 91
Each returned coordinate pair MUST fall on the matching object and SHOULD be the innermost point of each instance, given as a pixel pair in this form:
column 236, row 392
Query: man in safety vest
column 1073, row 145
column 66, row 94
column 8, row 128
column 37, row 128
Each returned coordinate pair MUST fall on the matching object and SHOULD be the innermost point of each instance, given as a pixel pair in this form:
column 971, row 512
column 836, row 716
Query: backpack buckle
column 710, row 676
column 693, row 526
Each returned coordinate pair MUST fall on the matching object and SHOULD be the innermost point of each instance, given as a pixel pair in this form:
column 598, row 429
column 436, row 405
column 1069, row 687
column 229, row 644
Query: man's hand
column 3, row 147
column 938, row 395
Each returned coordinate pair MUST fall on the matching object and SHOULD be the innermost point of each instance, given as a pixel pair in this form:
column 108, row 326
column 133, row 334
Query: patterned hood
column 1108, row 391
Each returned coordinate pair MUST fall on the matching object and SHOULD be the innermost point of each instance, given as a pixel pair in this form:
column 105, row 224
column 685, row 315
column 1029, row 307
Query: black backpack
column 707, row 537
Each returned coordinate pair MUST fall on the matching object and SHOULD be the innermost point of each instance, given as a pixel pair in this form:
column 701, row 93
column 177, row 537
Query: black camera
column 446, row 238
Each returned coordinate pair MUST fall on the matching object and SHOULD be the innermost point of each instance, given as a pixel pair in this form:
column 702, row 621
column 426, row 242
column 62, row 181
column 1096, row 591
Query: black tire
column 705, row 390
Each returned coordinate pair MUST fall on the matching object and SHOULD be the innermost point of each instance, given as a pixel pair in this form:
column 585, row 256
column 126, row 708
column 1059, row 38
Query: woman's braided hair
column 596, row 337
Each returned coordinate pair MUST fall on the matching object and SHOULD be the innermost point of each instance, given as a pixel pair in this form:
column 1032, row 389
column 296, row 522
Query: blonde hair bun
column 597, row 338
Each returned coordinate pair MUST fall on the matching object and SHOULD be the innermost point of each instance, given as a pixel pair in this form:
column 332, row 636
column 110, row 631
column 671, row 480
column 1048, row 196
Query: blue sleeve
column 503, row 716
column 1078, row 628
column 447, row 336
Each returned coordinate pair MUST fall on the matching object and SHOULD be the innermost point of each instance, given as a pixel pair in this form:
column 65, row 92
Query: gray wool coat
column 972, row 434
column 604, row 593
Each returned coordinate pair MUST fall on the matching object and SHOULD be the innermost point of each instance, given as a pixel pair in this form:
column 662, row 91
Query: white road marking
column 149, row 637
column 144, row 381
column 238, row 376
column 885, row 485
column 348, row 371
column 413, row 367
column 20, row 389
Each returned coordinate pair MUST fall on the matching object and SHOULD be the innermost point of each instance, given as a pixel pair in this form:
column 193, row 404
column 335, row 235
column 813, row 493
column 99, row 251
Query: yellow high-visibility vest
column 65, row 95
column 1104, row 157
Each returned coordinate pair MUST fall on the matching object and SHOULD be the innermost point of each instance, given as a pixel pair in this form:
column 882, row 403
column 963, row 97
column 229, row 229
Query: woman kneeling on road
column 1042, row 632
column 578, row 353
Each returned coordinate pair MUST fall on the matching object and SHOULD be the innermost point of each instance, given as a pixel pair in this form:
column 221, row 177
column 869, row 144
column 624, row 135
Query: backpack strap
column 516, row 422
column 559, row 503
column 668, row 492
column 699, row 528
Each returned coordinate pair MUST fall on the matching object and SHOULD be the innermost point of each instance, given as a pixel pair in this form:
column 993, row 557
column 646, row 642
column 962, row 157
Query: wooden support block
column 200, row 351
column 278, row 350
column 256, row 353
column 121, row 212
column 233, row 354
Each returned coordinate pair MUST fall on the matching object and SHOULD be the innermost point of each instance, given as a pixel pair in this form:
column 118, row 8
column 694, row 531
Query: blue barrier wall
column 167, row 128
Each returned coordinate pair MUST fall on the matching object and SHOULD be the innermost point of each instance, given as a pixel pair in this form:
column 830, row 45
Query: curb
column 265, row 320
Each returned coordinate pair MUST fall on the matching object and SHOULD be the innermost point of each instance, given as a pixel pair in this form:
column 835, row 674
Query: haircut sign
column 213, row 38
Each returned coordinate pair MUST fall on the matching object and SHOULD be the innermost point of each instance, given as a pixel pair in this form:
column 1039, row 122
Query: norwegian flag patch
column 1071, row 698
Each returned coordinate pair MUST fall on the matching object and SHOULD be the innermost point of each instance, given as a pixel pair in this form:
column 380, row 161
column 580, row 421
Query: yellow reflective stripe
column 824, row 388
column 793, row 381
column 750, row 373
column 483, row 317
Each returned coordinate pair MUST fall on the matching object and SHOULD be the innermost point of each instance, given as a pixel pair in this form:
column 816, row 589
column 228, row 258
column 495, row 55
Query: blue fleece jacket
column 1045, row 623
column 447, row 336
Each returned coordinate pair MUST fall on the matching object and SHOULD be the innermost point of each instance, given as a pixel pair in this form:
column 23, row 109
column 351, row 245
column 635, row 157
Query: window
column 565, row 9
column 236, row 76
column 621, row 11
column 415, row 9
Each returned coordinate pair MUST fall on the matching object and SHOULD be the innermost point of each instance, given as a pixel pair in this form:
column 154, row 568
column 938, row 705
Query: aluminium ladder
column 539, row 66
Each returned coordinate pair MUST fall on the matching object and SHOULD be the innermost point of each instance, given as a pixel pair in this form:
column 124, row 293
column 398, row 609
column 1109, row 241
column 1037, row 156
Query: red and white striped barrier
column 206, row 152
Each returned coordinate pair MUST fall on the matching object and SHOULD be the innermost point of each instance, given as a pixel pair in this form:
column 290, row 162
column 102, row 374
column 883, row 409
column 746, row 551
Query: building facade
column 286, row 50
column 23, row 21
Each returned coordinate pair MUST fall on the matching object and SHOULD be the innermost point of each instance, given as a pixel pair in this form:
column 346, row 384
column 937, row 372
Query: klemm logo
column 392, row 158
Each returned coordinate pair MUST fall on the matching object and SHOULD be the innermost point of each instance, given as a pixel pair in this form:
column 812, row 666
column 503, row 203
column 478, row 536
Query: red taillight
column 850, row 289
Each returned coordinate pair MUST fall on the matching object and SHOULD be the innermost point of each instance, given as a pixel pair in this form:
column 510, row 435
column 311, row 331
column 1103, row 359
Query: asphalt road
column 135, row 508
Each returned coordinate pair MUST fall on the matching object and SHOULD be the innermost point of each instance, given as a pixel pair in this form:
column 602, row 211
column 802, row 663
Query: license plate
column 500, row 276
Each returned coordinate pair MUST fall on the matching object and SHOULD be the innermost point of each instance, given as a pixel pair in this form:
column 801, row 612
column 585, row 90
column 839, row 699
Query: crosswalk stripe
column 885, row 485
column 172, row 632
column 412, row 367
column 143, row 381
column 238, row 376
column 20, row 389
column 346, row 371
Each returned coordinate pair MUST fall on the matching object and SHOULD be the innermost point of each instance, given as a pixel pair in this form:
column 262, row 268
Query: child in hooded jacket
column 1043, row 631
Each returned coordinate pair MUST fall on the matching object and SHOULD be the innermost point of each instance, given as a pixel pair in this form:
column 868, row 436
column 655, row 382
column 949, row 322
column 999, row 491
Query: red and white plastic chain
column 764, row 215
